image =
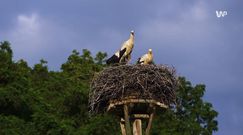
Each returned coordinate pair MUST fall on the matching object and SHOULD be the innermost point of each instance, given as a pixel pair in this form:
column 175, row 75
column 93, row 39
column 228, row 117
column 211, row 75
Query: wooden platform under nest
column 138, row 106
column 133, row 110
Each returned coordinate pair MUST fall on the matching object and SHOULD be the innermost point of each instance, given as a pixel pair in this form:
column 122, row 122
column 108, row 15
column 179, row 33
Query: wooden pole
column 137, row 127
column 150, row 122
column 122, row 125
column 127, row 120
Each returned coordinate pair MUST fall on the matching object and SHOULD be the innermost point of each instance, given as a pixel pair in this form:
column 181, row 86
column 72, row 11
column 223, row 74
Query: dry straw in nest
column 155, row 82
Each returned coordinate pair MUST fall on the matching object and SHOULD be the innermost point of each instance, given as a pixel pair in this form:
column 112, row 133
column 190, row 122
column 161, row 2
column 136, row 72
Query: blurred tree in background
column 38, row 101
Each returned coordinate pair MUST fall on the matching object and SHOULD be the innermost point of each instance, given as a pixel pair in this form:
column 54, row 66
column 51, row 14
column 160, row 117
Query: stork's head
column 132, row 32
column 150, row 51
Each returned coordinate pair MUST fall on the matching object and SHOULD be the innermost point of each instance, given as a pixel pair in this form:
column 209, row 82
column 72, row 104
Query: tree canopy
column 35, row 100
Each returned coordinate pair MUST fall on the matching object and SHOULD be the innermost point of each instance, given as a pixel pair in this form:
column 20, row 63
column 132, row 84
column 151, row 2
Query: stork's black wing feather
column 139, row 62
column 112, row 59
column 122, row 52
column 116, row 59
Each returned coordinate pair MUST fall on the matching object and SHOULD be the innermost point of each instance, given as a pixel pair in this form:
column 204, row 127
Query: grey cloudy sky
column 185, row 34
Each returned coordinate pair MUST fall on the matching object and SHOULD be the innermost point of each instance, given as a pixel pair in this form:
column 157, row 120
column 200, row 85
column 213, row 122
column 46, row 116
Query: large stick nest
column 155, row 82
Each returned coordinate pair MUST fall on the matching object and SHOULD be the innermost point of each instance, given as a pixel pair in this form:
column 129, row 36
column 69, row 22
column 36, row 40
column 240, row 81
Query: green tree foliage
column 38, row 101
column 191, row 115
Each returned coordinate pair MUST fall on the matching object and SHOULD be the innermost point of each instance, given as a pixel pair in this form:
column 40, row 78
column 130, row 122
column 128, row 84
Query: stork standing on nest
column 124, row 54
column 146, row 58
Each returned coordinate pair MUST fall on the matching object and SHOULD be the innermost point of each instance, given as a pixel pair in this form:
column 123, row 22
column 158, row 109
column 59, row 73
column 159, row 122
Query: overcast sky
column 185, row 34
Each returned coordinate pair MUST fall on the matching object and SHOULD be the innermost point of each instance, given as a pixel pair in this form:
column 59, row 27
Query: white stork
column 146, row 58
column 124, row 54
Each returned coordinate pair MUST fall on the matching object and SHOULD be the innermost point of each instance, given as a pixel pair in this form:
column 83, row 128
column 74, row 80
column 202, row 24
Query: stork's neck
column 131, row 37
column 150, row 53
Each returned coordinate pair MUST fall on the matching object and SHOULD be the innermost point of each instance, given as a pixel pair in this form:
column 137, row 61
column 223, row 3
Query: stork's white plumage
column 146, row 58
column 124, row 54
column 128, row 45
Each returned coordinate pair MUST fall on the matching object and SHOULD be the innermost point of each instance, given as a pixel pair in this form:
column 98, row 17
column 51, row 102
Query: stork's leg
column 128, row 58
